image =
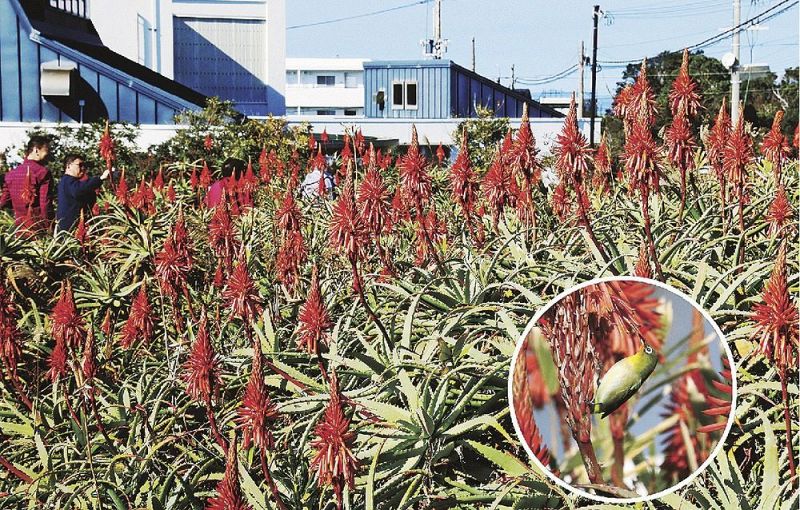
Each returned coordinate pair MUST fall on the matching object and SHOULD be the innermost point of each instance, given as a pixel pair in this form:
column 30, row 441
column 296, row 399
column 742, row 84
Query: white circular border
column 678, row 485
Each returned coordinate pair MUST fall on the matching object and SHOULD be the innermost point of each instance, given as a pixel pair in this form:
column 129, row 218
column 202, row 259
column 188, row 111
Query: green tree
column 483, row 135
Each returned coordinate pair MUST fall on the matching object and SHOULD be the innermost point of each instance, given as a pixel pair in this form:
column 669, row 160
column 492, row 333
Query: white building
column 234, row 49
column 325, row 86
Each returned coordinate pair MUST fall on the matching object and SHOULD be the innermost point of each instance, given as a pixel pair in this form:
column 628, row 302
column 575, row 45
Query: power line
column 764, row 16
column 358, row 16
column 541, row 81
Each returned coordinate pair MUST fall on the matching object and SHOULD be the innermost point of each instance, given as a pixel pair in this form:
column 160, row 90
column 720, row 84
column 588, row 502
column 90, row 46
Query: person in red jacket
column 28, row 187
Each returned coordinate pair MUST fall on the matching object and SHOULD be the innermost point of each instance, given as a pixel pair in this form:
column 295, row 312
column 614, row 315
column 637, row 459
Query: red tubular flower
column 400, row 210
column 264, row 168
column 334, row 461
column 202, row 370
column 719, row 406
column 174, row 262
column 221, row 232
column 314, row 318
column 642, row 268
column 324, row 136
column 193, row 180
column 560, row 203
column 499, row 189
column 205, row 176
column 775, row 147
column 684, row 92
column 736, row 156
column 229, row 492
column 522, row 153
column 524, row 402
column 107, row 147
column 414, row 178
column 10, row 350
column 440, row 153
column 643, row 100
column 429, row 232
column 57, row 361
column 122, row 190
column 676, row 459
column 347, row 231
column 208, row 142
column 602, row 167
column 241, row 294
column 777, row 318
column 140, row 321
column 106, row 327
column 158, row 182
column 143, row 198
column 171, row 193
column 67, row 323
column 361, row 145
column 463, row 181
column 572, row 151
column 373, row 201
column 681, row 143
column 622, row 104
column 347, row 152
column 780, row 211
column 537, row 388
column 292, row 254
column 641, row 160
column 258, row 413
column 288, row 216
column 715, row 143
column 80, row 231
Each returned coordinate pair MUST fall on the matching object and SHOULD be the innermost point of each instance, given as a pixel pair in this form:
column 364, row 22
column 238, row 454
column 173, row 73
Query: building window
column 398, row 101
column 326, row 80
column 350, row 113
column 291, row 77
column 326, row 112
column 411, row 95
column 350, row 80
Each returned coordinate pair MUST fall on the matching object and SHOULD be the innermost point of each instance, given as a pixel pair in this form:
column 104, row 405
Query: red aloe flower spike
column 202, row 370
column 498, row 188
column 292, row 254
column 229, row 493
column 347, row 152
column 80, row 231
column 171, row 193
column 429, row 232
column 107, row 327
column 736, row 157
column 525, row 402
column 464, row 183
column 718, row 406
column 684, row 92
column 205, row 176
column 440, row 153
column 193, row 180
column 523, row 153
column 573, row 155
column 221, row 232
column 796, row 139
column 140, row 321
column 107, row 147
column 643, row 100
column 122, row 191
column 312, row 143
column 144, row 198
column 681, row 145
column 89, row 358
column 219, row 275
column 314, row 318
column 360, row 142
column 414, row 178
column 602, row 167
column 57, row 361
column 334, row 461
column 158, row 182
column 208, row 142
column 642, row 268
column 775, row 147
column 644, row 172
column 676, row 460
column 67, row 323
column 715, row 147
column 622, row 106
column 264, row 170
column 780, row 211
column 10, row 350
column 560, row 203
column 777, row 325
column 347, row 231
column 257, row 413
column 241, row 294
column 288, row 216
column 373, row 201
column 324, row 136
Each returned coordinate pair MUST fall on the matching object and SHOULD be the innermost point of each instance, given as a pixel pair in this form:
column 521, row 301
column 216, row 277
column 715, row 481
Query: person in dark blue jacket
column 76, row 192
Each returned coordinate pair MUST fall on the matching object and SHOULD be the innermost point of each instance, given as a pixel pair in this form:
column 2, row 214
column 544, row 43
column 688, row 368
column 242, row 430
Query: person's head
column 75, row 165
column 38, row 148
column 233, row 166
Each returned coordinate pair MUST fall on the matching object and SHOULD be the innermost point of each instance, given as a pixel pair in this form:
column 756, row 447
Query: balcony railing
column 74, row 7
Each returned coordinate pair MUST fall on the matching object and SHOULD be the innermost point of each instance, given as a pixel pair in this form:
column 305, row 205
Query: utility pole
column 737, row 15
column 581, row 63
column 473, row 54
column 513, row 77
column 593, row 105
column 435, row 48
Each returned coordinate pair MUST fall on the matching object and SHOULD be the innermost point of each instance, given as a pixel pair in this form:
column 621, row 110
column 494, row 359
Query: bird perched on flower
column 623, row 380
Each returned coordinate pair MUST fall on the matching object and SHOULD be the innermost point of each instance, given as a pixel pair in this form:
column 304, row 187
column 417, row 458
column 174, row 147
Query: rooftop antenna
column 435, row 48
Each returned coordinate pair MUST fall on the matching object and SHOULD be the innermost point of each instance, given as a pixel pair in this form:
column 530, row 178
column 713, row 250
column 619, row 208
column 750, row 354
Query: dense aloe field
column 291, row 351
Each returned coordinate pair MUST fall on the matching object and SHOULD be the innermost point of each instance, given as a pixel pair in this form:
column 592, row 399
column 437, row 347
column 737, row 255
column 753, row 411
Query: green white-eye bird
column 623, row 379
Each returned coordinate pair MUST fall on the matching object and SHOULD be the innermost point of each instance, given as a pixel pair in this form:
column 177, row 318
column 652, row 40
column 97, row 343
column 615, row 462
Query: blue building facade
column 439, row 89
column 36, row 37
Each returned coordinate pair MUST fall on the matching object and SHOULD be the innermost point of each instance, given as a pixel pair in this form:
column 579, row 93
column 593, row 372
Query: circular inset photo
column 622, row 390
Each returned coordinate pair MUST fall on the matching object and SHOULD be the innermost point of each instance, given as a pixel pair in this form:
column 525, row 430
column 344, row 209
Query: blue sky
column 539, row 38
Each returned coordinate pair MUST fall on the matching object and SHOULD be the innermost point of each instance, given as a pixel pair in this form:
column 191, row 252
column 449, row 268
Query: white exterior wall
column 304, row 96
column 117, row 23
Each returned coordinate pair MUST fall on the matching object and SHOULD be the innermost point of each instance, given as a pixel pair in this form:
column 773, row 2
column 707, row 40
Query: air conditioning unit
column 56, row 77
